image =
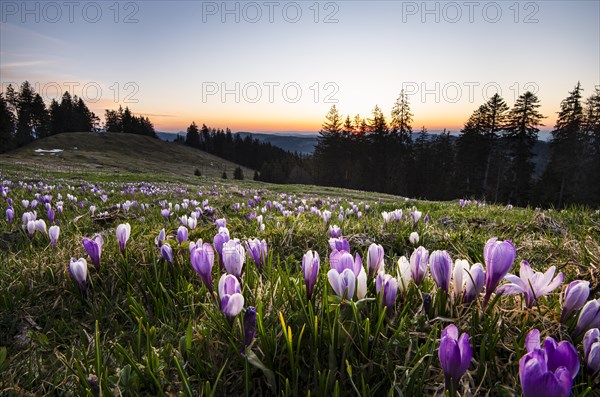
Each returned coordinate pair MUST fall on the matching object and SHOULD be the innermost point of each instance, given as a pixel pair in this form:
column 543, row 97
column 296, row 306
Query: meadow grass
column 149, row 328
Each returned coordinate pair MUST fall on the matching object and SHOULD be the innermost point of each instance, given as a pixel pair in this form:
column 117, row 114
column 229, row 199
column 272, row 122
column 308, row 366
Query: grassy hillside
column 145, row 326
column 109, row 152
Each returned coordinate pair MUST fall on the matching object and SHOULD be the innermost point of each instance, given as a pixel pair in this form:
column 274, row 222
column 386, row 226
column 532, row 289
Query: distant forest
column 492, row 159
column 25, row 118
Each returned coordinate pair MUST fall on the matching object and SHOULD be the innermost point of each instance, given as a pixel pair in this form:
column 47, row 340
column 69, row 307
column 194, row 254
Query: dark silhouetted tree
column 192, row 137
column 522, row 130
column 7, row 126
column 562, row 182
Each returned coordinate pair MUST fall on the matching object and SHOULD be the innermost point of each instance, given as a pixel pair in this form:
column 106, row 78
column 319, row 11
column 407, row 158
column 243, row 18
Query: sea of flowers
column 345, row 302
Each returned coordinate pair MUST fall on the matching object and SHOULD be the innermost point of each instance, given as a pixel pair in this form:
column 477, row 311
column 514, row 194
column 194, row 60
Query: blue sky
column 259, row 66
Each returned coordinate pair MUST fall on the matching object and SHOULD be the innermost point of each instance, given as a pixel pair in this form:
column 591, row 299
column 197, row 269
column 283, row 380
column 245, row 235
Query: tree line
column 272, row 164
column 492, row 159
column 24, row 118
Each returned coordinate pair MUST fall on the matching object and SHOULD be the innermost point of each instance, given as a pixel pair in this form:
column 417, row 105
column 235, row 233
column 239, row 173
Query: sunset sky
column 279, row 66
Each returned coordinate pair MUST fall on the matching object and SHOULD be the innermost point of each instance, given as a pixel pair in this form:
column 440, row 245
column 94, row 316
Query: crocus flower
column 458, row 276
column 416, row 215
column 418, row 264
column 51, row 215
column 414, row 238
column 31, row 228
column 589, row 317
column 532, row 285
column 339, row 243
column 221, row 238
column 182, row 234
column 340, row 260
column 10, row 214
column 160, row 238
column 258, row 251
column 123, row 232
column 202, row 258
column 40, row 226
column 499, row 257
column 343, row 283
column 222, row 222
column 403, row 274
column 230, row 293
column 94, row 249
column 591, row 351
column 166, row 213
column 192, row 223
column 375, row 259
column 335, row 231
column 234, row 257
column 547, row 371
column 475, row 279
column 53, row 233
column 249, row 326
column 167, row 253
column 387, row 286
column 440, row 264
column 310, row 269
column 78, row 270
column 575, row 297
column 455, row 355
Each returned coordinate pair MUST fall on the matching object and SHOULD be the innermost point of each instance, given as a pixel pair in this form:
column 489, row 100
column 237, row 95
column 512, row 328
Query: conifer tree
column 7, row 126
column 522, row 130
column 563, row 180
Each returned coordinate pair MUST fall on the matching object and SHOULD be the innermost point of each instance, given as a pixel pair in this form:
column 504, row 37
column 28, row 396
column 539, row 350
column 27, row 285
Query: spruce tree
column 7, row 126
column 522, row 130
column 192, row 137
column 563, row 182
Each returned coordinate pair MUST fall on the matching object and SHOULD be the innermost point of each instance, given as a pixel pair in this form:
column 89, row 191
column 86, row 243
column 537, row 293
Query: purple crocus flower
column 160, row 238
column 419, row 261
column 440, row 264
column 387, row 286
column 167, row 253
column 202, row 258
column 475, row 279
column 221, row 238
column 234, row 257
column 51, row 215
column 230, row 293
column 249, row 326
column 335, row 231
column 123, row 232
column 310, row 269
column 78, row 270
column 455, row 355
column 10, row 214
column 547, row 370
column 591, row 351
column 53, row 233
column 166, row 213
column 222, row 222
column 499, row 257
column 94, row 249
column 182, row 234
column 589, row 317
column 375, row 259
column 575, row 297
column 532, row 284
column 340, row 244
column 40, row 226
column 258, row 251
column 343, row 283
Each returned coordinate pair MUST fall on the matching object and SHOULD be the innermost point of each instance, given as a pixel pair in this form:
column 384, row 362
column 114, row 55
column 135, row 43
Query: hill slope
column 118, row 152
